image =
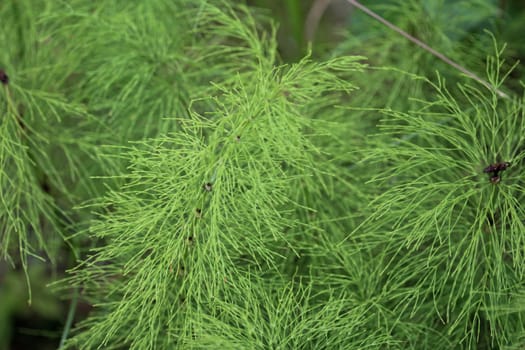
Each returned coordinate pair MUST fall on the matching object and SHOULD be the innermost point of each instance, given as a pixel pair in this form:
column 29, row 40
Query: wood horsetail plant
column 203, row 194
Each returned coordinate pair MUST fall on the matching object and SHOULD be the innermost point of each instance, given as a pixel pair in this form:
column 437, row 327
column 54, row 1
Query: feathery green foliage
column 209, row 206
column 44, row 144
column 445, row 232
column 214, row 197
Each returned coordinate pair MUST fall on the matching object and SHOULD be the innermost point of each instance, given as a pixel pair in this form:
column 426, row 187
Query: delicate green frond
column 211, row 203
column 449, row 232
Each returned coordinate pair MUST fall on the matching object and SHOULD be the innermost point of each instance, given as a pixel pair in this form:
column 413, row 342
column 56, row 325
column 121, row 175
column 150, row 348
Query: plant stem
column 295, row 15
column 426, row 47
column 70, row 317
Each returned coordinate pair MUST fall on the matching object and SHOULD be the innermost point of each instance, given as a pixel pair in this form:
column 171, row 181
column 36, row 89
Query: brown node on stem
column 495, row 170
column 496, row 167
column 4, row 79
column 181, row 271
column 495, row 179
column 45, row 186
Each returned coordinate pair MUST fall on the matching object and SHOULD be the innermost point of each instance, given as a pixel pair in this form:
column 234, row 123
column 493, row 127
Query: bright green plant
column 214, row 197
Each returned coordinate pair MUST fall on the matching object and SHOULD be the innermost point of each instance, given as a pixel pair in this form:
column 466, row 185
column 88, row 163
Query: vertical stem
column 70, row 317
column 293, row 8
